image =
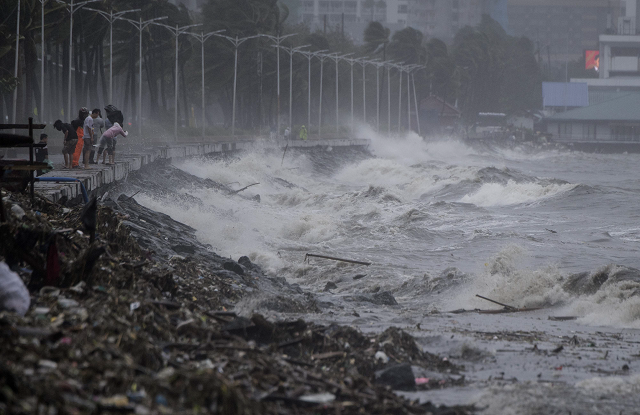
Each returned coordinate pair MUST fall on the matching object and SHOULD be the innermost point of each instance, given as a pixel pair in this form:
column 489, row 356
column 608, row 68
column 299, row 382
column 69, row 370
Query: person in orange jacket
column 78, row 125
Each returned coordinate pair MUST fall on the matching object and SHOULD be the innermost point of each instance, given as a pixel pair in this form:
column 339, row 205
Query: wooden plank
column 22, row 126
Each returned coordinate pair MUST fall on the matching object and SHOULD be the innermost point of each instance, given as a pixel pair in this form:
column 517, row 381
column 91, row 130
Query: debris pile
column 112, row 329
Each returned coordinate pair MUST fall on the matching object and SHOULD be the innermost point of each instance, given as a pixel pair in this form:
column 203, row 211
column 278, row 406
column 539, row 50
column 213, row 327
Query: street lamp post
column 140, row 25
column 177, row 31
column 15, row 70
column 111, row 17
column 278, row 40
column 336, row 58
column 236, row 43
column 364, row 91
column 415, row 99
column 202, row 37
column 291, row 51
column 322, row 59
column 309, row 56
column 41, row 109
column 378, row 66
column 400, row 69
column 364, row 64
column 72, row 9
column 351, row 62
column 389, row 65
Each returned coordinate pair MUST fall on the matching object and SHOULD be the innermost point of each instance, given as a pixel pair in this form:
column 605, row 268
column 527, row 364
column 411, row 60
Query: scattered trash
column 14, row 296
column 381, row 356
column 18, row 211
column 399, row 377
column 562, row 318
column 422, row 381
column 319, row 398
column 128, row 332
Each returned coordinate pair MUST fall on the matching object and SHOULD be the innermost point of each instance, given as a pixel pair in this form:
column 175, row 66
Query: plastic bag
column 14, row 296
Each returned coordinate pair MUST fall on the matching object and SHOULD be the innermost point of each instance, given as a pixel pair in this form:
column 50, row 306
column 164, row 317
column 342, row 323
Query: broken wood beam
column 495, row 302
column 351, row 261
column 244, row 188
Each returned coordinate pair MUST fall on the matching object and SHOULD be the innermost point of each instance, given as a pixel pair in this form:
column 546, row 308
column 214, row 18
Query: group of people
column 80, row 138
column 302, row 135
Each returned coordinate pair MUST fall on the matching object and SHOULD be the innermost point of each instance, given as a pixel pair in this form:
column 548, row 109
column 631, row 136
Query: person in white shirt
column 88, row 137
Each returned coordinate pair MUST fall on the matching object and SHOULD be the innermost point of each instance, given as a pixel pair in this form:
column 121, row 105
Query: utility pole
column 112, row 17
column 322, row 59
column 236, row 44
column 177, row 31
column 72, row 8
column 336, row 58
column 202, row 37
column 291, row 51
column 15, row 69
column 278, row 40
column 309, row 56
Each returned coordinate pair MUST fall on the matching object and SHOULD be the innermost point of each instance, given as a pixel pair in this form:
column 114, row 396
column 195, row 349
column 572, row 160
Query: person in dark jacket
column 70, row 141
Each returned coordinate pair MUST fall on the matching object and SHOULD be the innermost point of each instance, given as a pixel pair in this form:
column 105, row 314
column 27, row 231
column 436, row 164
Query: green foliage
column 497, row 72
column 406, row 46
column 375, row 35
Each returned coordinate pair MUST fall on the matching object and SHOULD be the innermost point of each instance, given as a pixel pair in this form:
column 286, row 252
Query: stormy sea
column 440, row 221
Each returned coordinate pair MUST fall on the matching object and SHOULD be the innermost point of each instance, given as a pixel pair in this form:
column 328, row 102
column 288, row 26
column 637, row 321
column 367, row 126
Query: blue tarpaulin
column 565, row 94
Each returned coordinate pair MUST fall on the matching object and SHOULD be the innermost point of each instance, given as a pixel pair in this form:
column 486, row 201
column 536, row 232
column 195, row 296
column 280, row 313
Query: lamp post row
column 202, row 37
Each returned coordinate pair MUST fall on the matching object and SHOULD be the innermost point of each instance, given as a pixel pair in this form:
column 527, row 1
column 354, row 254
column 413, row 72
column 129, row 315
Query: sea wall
column 100, row 176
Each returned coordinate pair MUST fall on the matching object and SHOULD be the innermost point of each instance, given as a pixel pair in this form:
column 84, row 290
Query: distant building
column 355, row 15
column 619, row 53
column 434, row 18
column 563, row 29
column 616, row 120
column 438, row 117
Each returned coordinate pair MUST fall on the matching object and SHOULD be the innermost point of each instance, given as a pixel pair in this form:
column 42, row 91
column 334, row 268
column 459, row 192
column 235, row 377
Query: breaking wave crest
column 607, row 296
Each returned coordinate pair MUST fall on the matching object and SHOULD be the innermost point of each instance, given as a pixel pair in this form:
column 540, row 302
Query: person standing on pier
column 70, row 141
column 98, row 124
column 78, row 125
column 303, row 133
column 107, row 140
column 88, row 136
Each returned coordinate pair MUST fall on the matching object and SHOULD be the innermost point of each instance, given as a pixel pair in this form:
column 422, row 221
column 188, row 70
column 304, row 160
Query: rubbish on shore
column 14, row 296
column 285, row 152
column 495, row 302
column 88, row 218
column 141, row 335
column 399, row 377
column 351, row 261
column 244, row 188
column 507, row 308
column 381, row 356
column 562, row 318
column 422, row 381
column 319, row 398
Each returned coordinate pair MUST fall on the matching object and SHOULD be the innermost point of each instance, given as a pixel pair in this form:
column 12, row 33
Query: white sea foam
column 513, row 193
column 505, row 279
